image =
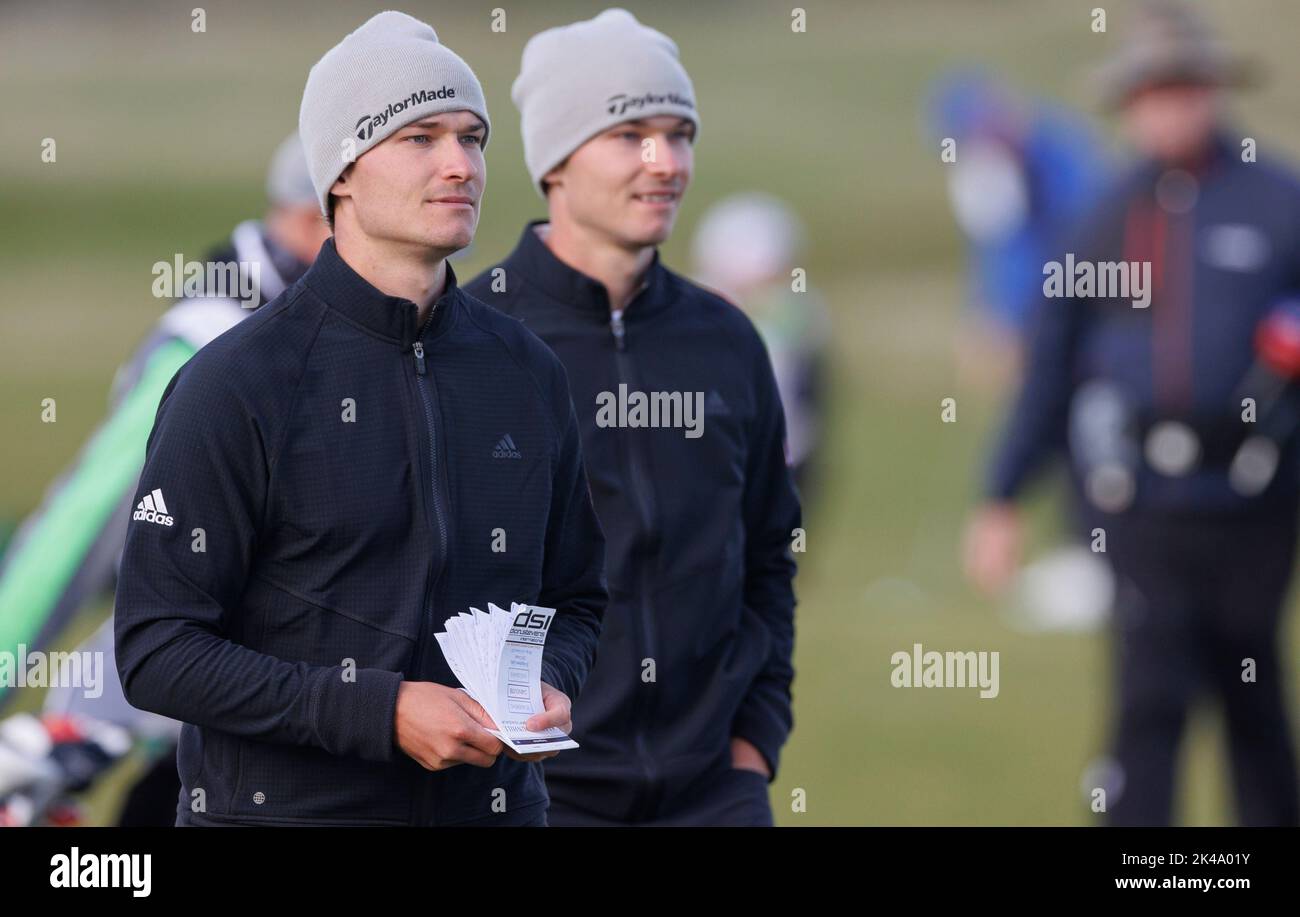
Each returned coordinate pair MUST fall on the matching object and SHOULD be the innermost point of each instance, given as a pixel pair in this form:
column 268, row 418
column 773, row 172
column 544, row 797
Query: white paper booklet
column 497, row 656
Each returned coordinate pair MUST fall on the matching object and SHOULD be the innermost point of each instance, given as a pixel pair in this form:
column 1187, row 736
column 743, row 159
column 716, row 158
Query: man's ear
column 553, row 178
column 341, row 188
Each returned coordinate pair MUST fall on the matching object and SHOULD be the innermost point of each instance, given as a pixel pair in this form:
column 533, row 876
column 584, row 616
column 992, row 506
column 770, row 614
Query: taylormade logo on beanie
column 367, row 123
column 621, row 102
column 388, row 73
column 578, row 80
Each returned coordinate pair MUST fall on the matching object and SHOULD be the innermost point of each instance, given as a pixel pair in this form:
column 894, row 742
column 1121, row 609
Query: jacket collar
column 392, row 317
column 535, row 261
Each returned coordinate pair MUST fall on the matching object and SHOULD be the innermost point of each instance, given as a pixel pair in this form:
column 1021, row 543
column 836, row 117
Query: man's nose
column 456, row 161
column 664, row 161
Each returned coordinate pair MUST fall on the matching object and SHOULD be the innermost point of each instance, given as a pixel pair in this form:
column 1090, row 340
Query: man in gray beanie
column 387, row 74
column 686, row 711
column 561, row 107
column 341, row 452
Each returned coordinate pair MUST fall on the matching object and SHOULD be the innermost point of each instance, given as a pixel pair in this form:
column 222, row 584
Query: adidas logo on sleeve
column 152, row 509
column 506, row 448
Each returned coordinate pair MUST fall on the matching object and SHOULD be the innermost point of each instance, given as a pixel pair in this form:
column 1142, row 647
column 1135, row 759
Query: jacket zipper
column 438, row 524
column 646, row 629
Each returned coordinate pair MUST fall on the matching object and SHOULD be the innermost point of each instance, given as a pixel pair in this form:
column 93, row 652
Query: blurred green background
column 163, row 137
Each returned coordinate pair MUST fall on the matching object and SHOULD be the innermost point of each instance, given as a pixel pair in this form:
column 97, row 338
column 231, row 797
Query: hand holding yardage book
column 497, row 656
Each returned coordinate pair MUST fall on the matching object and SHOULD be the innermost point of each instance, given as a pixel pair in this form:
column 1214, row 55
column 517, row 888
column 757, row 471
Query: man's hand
column 558, row 714
column 745, row 756
column 441, row 727
column 991, row 551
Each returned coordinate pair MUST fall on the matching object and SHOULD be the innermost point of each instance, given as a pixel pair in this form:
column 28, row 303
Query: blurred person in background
column 65, row 555
column 1178, row 418
column 1025, row 172
column 746, row 248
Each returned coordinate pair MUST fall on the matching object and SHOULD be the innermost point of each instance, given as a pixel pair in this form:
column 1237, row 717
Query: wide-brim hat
column 1170, row 43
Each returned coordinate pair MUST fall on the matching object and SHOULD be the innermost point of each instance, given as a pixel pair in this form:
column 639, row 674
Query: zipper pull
column 419, row 358
column 616, row 326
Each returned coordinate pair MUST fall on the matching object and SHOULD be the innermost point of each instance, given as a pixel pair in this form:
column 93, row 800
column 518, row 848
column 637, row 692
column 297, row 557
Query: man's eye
column 418, row 137
column 478, row 141
column 629, row 135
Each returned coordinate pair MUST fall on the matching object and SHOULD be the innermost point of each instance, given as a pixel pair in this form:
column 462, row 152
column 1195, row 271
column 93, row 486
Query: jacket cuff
column 764, row 734
column 358, row 717
column 552, row 676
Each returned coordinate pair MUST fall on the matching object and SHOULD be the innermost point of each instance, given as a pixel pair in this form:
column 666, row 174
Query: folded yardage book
column 497, row 656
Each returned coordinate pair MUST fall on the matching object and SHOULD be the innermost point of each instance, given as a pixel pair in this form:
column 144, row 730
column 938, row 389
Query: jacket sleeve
column 1037, row 426
column 181, row 581
column 573, row 571
column 64, row 554
column 772, row 513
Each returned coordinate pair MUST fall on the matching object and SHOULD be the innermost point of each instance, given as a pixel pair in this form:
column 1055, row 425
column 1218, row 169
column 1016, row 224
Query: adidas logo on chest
column 506, row 449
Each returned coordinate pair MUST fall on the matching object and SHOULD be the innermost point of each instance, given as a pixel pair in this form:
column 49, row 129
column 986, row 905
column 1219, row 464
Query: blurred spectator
column 66, row 552
column 1025, row 172
column 1194, row 494
column 746, row 248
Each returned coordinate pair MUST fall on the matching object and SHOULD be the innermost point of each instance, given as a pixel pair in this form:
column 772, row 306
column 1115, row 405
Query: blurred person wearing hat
column 1177, row 415
column 65, row 555
column 688, row 704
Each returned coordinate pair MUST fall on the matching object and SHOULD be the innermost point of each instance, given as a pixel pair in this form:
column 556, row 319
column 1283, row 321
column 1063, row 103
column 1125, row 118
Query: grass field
column 162, row 137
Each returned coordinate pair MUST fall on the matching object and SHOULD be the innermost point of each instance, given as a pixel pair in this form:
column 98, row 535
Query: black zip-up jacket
column 322, row 489
column 699, row 633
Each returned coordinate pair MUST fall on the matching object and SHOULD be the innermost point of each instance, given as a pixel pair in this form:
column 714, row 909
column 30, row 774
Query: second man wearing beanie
column 688, row 706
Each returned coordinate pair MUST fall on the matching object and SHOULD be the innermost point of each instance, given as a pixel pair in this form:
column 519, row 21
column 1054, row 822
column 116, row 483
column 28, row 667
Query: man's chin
column 454, row 242
column 656, row 232
column 446, row 239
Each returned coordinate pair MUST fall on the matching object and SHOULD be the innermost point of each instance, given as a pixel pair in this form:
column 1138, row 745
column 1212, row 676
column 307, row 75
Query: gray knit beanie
column 383, row 76
column 578, row 80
